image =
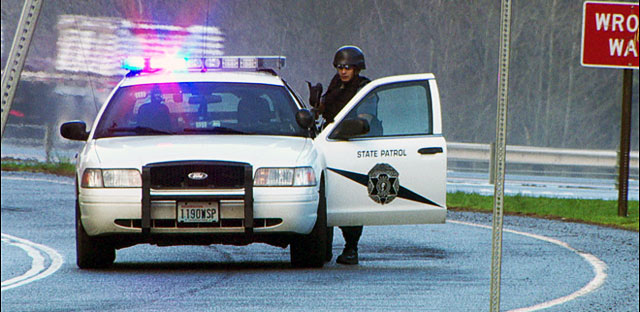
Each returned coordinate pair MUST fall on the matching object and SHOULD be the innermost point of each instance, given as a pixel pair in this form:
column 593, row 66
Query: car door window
column 396, row 110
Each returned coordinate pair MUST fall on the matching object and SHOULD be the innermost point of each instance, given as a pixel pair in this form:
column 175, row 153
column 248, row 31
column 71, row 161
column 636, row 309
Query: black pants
column 351, row 235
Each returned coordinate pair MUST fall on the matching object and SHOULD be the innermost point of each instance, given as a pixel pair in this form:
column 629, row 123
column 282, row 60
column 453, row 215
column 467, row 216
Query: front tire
column 91, row 252
column 310, row 251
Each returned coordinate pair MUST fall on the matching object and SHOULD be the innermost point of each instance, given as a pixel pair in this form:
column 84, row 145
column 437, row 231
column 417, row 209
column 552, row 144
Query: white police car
column 221, row 150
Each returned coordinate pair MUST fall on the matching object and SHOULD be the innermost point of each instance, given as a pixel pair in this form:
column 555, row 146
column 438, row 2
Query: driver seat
column 253, row 110
column 155, row 116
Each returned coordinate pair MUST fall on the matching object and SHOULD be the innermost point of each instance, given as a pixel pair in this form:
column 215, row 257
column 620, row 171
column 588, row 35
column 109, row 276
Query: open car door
column 385, row 155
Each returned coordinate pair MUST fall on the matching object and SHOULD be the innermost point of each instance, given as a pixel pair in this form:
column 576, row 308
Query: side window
column 398, row 109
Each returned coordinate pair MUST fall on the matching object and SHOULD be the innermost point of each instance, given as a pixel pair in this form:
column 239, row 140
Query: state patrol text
column 382, row 153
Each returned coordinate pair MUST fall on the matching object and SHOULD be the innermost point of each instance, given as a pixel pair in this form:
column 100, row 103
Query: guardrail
column 540, row 155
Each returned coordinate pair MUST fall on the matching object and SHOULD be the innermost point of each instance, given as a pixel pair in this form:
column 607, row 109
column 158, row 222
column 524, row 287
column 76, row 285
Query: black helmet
column 349, row 55
column 155, row 95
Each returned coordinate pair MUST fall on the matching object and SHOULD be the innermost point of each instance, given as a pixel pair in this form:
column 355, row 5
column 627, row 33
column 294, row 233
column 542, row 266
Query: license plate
column 190, row 212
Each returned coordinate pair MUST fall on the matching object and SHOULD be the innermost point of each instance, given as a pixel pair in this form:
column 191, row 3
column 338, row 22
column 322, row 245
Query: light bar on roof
column 195, row 63
column 248, row 62
column 212, row 63
column 134, row 63
column 139, row 64
column 272, row 62
column 230, row 62
column 168, row 63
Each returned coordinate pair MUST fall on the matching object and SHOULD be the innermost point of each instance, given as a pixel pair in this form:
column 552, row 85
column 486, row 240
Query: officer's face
column 346, row 73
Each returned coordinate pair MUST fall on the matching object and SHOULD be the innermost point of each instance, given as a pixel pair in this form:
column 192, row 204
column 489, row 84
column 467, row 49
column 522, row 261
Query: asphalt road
column 566, row 266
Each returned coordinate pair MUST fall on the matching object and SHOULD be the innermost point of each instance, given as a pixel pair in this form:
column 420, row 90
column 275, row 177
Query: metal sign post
column 610, row 40
column 500, row 155
column 625, row 144
column 18, row 54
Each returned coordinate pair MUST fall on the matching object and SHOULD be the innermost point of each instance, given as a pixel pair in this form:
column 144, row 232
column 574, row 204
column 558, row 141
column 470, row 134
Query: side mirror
column 74, row 130
column 304, row 118
column 349, row 128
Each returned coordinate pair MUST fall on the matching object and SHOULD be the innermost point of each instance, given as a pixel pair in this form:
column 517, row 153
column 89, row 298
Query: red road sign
column 610, row 34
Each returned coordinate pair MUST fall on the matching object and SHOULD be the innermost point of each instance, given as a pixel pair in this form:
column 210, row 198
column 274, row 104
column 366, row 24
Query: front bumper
column 274, row 210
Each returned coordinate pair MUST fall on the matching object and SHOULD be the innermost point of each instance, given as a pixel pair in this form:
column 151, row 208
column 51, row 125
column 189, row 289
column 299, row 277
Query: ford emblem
column 197, row 175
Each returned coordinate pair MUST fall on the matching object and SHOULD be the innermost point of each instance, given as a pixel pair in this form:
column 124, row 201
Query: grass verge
column 600, row 212
column 60, row 167
column 591, row 211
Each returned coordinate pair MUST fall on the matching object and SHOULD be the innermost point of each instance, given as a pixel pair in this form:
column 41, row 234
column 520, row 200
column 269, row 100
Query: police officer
column 155, row 114
column 348, row 62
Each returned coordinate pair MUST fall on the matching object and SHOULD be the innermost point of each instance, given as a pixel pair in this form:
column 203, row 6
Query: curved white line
column 598, row 265
column 37, row 264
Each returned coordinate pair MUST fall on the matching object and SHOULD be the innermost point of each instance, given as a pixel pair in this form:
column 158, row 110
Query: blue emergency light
column 138, row 64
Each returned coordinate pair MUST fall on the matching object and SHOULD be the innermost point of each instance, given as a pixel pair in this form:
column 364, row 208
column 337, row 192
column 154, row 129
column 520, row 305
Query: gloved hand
column 315, row 92
column 316, row 113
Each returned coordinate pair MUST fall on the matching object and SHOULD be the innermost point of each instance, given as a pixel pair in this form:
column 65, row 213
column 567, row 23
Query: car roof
column 257, row 77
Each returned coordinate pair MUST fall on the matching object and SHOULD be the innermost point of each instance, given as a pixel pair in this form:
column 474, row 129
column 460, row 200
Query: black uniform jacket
column 339, row 93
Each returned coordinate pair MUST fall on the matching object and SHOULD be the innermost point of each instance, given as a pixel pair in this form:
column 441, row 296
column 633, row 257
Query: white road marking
column 37, row 262
column 34, row 250
column 37, row 270
column 599, row 268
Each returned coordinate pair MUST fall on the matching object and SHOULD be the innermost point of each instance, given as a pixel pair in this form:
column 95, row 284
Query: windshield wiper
column 216, row 130
column 138, row 130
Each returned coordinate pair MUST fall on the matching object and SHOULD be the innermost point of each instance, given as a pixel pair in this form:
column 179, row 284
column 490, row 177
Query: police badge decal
column 383, row 183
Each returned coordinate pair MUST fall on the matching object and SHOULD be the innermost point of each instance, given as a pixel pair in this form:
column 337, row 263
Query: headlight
column 303, row 176
column 111, row 178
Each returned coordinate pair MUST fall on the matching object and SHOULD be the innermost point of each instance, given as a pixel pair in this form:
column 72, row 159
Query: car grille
column 208, row 175
column 197, row 181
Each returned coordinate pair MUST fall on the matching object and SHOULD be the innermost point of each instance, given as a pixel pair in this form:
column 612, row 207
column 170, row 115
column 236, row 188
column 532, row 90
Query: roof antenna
column 284, row 37
column 84, row 56
column 205, row 33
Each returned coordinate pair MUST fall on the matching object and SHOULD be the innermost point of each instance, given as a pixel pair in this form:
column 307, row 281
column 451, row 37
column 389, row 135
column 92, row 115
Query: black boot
column 351, row 236
column 348, row 256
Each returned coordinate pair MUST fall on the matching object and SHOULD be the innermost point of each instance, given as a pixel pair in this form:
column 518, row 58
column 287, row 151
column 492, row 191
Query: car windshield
column 200, row 108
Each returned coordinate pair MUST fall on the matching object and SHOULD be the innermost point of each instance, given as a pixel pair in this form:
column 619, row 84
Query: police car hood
column 257, row 150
